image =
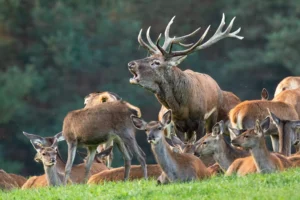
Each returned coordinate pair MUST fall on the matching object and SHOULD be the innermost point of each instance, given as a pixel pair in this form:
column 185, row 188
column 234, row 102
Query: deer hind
column 175, row 166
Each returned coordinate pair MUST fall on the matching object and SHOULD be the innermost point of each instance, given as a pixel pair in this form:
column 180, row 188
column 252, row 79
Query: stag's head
column 153, row 129
column 253, row 137
column 151, row 71
column 211, row 141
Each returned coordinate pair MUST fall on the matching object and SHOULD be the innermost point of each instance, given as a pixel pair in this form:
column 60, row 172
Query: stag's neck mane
column 174, row 89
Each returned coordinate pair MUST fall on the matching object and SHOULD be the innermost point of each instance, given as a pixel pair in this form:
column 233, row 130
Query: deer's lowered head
column 154, row 70
column 97, row 98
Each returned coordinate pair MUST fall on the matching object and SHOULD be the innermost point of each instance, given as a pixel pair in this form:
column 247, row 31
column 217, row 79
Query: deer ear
column 262, row 127
column 35, row 139
column 55, row 143
column 177, row 141
column 264, row 94
column 115, row 96
column 37, row 146
column 138, row 123
column 218, row 128
column 193, row 139
column 167, row 118
column 59, row 136
column 274, row 118
column 233, row 132
column 104, row 153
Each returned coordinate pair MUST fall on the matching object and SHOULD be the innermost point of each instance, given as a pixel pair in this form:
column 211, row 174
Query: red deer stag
column 190, row 95
column 254, row 140
column 288, row 83
column 89, row 127
column 175, row 166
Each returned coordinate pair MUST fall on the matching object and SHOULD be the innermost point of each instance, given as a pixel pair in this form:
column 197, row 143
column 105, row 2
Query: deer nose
column 131, row 64
column 53, row 160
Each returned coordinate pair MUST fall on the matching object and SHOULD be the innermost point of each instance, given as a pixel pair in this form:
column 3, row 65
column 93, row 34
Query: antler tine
column 179, row 39
column 149, row 38
column 143, row 44
column 219, row 35
column 163, row 52
column 168, row 40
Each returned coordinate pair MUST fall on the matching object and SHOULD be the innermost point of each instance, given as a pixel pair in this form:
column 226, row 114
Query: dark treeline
column 53, row 53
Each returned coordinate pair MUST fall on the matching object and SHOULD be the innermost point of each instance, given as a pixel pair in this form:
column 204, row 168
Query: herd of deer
column 190, row 140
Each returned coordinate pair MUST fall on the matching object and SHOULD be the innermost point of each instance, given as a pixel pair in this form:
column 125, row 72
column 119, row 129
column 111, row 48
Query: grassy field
column 285, row 185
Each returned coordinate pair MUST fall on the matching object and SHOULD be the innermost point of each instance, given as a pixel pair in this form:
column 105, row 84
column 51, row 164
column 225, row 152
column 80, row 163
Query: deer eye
column 246, row 136
column 159, row 128
column 43, row 154
column 204, row 143
column 155, row 63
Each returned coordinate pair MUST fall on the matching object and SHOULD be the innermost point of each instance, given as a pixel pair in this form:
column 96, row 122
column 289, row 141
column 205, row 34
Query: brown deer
column 214, row 144
column 190, row 95
column 94, row 99
column 10, row 181
column 288, row 83
column 244, row 115
column 89, row 127
column 254, row 140
column 175, row 166
column 291, row 96
column 117, row 174
column 77, row 172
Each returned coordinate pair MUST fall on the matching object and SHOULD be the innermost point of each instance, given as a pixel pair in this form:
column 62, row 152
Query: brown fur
column 7, row 182
column 295, row 159
column 230, row 100
column 20, row 180
column 288, row 83
column 291, row 97
column 117, row 174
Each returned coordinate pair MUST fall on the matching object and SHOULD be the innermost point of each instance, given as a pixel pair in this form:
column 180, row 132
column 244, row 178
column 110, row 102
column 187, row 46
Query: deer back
column 6, row 181
column 291, row 97
column 288, row 83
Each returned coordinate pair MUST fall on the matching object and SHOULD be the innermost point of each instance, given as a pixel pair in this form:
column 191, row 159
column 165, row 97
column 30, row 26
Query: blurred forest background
column 53, row 53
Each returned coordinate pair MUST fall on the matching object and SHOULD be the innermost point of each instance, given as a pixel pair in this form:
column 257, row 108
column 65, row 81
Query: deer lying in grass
column 94, row 99
column 117, row 174
column 214, row 144
column 175, row 166
column 10, row 181
column 254, row 140
column 288, row 83
column 89, row 127
column 77, row 172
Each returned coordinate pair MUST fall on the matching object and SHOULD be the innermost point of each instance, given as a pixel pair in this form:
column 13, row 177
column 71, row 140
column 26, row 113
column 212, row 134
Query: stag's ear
column 274, row 118
column 35, row 139
column 264, row 94
column 59, row 137
column 175, row 61
column 138, row 123
column 167, row 118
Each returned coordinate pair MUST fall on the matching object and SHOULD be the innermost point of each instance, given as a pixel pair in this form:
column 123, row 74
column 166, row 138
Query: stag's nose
column 131, row 64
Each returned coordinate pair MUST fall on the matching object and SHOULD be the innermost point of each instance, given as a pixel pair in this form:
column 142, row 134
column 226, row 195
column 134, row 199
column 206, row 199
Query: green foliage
column 269, row 186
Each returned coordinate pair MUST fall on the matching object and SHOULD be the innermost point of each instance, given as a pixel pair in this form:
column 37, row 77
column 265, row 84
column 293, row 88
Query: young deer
column 94, row 99
column 190, row 95
column 10, row 181
column 175, row 166
column 110, row 121
column 117, row 174
column 288, row 83
column 77, row 172
column 214, row 144
column 254, row 140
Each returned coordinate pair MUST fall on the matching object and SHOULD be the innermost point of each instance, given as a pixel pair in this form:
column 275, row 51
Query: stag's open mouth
column 135, row 79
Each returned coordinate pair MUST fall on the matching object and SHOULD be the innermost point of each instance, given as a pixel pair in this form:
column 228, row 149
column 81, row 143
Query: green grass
column 285, row 185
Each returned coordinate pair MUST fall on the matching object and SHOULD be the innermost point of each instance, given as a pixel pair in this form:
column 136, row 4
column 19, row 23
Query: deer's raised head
column 211, row 141
column 47, row 154
column 154, row 129
column 253, row 137
column 153, row 70
column 96, row 98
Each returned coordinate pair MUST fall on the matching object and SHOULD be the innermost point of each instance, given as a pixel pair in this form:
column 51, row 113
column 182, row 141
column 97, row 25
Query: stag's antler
column 219, row 35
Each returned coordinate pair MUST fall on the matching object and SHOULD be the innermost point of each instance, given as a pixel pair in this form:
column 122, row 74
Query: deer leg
column 126, row 156
column 111, row 155
column 90, row 158
column 140, row 155
column 162, row 179
column 72, row 146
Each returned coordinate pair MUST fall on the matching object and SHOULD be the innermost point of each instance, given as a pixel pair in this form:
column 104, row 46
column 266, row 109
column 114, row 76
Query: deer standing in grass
column 214, row 144
column 288, row 83
column 190, row 95
column 175, row 166
column 97, row 98
column 254, row 140
column 89, row 127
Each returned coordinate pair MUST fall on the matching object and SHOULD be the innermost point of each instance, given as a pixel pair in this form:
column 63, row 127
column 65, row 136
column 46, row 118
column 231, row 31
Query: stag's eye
column 155, row 63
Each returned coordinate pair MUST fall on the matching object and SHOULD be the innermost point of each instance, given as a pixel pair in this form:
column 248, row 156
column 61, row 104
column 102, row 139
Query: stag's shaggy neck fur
column 225, row 154
column 262, row 157
column 163, row 155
